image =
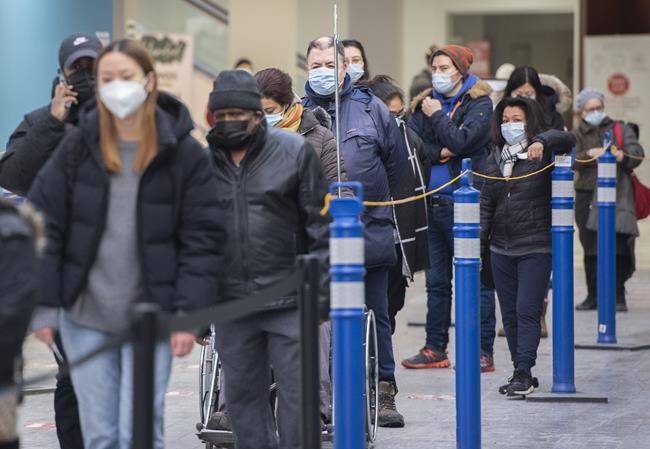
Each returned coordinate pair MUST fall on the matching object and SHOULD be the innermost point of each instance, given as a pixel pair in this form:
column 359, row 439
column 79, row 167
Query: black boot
column 590, row 302
column 622, row 272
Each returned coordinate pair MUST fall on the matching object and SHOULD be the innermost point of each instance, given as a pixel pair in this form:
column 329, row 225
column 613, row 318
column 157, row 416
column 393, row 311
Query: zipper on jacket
column 241, row 224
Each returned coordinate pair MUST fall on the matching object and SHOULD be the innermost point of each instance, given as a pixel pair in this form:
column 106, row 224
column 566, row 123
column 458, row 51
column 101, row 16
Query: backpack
column 641, row 191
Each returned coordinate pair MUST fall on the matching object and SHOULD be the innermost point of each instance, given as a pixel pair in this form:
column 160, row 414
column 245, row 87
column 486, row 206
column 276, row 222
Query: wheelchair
column 210, row 397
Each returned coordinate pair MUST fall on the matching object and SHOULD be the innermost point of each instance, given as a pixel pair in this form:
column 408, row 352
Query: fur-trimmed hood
column 564, row 97
column 480, row 89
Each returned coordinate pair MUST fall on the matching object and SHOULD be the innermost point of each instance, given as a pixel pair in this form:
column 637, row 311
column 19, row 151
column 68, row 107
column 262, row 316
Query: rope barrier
column 614, row 151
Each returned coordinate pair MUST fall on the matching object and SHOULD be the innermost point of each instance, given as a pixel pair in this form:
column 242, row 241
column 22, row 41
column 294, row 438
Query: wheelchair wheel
column 372, row 378
column 208, row 379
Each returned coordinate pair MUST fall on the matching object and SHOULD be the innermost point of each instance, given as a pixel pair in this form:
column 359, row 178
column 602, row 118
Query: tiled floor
column 427, row 396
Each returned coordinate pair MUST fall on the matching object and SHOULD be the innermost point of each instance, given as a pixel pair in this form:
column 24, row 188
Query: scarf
column 291, row 118
column 510, row 154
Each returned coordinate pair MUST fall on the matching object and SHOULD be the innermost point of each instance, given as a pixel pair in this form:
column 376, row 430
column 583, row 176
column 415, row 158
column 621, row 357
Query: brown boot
column 544, row 333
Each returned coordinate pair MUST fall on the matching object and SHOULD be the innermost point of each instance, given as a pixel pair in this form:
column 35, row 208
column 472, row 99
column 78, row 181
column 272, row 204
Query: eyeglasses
column 594, row 109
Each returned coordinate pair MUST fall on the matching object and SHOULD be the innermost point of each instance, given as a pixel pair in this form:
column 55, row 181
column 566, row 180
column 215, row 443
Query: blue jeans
column 104, row 387
column 439, row 287
column 377, row 301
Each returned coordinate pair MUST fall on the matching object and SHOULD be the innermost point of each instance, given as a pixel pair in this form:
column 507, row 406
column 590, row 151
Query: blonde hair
column 108, row 139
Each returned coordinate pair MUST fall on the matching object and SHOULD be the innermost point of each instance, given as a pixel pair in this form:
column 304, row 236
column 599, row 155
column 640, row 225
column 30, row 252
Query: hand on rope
column 615, row 151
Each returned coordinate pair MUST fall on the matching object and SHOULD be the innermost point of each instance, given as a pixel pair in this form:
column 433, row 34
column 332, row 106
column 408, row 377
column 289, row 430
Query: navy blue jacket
column 375, row 155
column 466, row 133
column 180, row 235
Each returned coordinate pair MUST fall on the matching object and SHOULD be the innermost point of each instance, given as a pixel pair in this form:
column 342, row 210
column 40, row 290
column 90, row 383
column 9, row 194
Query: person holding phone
column 29, row 148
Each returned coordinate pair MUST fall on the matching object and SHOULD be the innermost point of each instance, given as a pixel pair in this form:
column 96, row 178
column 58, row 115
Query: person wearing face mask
column 590, row 107
column 138, row 194
column 375, row 155
column 32, row 143
column 28, row 149
column 355, row 58
column 453, row 120
column 516, row 227
column 525, row 82
column 411, row 241
column 271, row 187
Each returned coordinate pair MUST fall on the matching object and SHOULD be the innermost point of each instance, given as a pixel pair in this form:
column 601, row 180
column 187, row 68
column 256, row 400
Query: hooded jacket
column 179, row 233
column 465, row 133
column 375, row 155
column 270, row 206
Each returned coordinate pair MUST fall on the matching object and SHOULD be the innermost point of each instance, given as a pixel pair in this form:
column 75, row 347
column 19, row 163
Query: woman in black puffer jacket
column 516, row 226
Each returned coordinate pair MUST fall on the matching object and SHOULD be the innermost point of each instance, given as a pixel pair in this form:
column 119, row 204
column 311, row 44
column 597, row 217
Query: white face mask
column 123, row 98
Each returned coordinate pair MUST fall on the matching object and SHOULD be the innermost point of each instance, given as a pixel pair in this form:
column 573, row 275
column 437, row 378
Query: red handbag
column 641, row 191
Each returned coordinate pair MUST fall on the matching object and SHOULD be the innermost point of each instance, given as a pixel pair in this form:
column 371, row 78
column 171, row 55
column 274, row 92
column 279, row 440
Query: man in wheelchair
column 270, row 189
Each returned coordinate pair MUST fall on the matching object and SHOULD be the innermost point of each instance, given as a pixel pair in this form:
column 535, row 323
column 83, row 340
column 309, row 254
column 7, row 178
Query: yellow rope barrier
column 328, row 197
column 614, row 151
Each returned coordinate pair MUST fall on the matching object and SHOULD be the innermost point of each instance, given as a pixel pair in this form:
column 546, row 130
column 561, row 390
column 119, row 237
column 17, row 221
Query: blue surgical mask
column 595, row 118
column 322, row 80
column 443, row 83
column 355, row 71
column 274, row 119
column 513, row 132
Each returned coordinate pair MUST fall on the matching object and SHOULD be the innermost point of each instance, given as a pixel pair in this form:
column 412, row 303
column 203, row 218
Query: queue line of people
column 136, row 211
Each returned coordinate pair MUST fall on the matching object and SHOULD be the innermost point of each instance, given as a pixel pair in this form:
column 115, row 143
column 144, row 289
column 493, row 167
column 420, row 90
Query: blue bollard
column 606, row 255
column 562, row 231
column 467, row 249
column 347, row 313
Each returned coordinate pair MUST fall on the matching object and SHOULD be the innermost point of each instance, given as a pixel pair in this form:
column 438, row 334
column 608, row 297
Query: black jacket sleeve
column 311, row 192
column 555, row 142
column 28, row 149
column 201, row 235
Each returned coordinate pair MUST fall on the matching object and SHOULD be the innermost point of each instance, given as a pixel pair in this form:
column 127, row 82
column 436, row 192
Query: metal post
column 144, row 352
column 562, row 231
column 467, row 263
column 308, row 304
column 347, row 313
column 606, row 255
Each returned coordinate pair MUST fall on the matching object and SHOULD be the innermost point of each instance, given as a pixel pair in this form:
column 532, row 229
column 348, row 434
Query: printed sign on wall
column 174, row 56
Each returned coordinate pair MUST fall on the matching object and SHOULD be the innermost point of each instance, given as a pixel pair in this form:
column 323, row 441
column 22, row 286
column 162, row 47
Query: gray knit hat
column 587, row 94
column 235, row 89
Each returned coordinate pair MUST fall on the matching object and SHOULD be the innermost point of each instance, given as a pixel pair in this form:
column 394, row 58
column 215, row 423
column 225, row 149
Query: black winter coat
column 180, row 236
column 29, row 148
column 17, row 286
column 270, row 206
column 516, row 215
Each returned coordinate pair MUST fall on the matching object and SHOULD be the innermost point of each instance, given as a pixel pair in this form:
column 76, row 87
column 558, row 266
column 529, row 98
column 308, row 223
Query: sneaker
column 501, row 332
column 487, row 363
column 520, row 385
column 219, row 421
column 503, row 389
column 388, row 414
column 587, row 304
column 621, row 305
column 427, row 358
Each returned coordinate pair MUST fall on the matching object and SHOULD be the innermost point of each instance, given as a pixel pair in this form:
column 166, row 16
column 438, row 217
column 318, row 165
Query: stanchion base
column 620, row 346
column 579, row 397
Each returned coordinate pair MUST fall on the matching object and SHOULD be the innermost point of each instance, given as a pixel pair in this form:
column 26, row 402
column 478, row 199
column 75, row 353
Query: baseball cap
column 78, row 45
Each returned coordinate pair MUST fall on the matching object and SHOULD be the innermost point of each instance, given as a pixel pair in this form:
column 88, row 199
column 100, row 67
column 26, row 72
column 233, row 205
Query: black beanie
column 235, row 89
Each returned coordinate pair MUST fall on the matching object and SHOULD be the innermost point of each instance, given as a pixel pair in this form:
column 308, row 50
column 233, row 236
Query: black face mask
column 83, row 82
column 230, row 135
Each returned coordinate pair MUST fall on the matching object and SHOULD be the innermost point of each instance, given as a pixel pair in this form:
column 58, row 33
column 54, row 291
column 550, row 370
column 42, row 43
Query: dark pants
column 397, row 284
column 66, row 410
column 521, row 283
column 377, row 301
column 439, row 278
column 248, row 348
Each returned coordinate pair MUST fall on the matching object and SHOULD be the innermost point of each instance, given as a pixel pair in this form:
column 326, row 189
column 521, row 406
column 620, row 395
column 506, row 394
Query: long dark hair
column 532, row 110
column 385, row 87
column 276, row 85
column 356, row 44
column 522, row 75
